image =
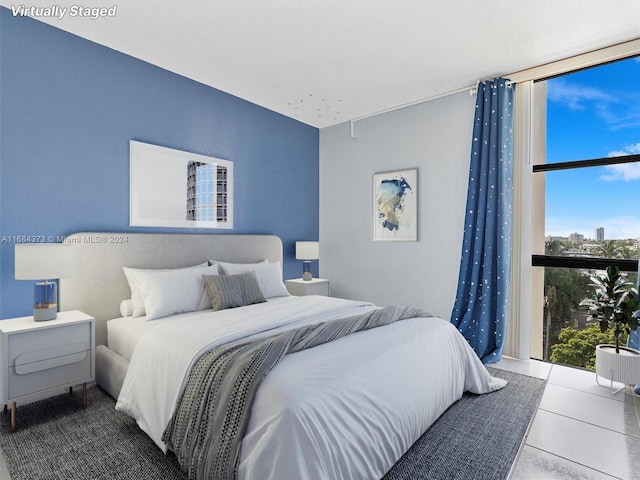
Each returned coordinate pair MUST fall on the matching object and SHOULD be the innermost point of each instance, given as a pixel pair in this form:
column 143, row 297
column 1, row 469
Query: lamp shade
column 307, row 250
column 43, row 261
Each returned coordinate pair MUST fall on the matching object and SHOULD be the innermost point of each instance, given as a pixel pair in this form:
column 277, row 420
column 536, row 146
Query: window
column 586, row 181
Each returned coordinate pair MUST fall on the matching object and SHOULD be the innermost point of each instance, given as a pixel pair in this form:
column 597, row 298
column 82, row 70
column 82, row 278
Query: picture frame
column 172, row 188
column 395, row 206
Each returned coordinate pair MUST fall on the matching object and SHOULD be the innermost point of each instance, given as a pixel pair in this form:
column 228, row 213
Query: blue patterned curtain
column 480, row 309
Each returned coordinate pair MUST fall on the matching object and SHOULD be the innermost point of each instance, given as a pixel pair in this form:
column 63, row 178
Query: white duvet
column 345, row 410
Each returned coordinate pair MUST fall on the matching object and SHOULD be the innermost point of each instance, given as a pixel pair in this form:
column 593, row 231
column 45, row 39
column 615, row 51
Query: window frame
column 592, row 263
column 527, row 146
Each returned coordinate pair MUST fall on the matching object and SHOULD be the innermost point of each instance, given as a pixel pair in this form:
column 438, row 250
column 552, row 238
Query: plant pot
column 623, row 367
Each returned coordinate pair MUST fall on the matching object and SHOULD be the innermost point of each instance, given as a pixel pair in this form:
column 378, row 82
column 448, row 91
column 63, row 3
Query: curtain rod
column 471, row 89
column 577, row 62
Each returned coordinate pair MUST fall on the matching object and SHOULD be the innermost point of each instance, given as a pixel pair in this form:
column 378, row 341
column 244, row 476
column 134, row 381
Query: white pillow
column 174, row 291
column 236, row 267
column 269, row 277
column 132, row 278
column 126, row 308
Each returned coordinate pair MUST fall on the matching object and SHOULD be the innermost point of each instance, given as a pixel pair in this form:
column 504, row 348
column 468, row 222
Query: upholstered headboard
column 98, row 284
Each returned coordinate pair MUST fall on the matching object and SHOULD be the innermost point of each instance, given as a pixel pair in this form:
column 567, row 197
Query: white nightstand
column 300, row 288
column 42, row 357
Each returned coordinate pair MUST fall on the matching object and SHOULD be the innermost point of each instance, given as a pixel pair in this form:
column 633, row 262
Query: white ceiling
column 324, row 62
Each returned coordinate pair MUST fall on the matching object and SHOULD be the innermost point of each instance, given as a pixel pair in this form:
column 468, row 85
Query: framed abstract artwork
column 395, row 206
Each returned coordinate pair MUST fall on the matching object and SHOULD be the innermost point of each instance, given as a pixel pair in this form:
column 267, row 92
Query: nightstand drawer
column 50, row 342
column 318, row 289
column 42, row 379
column 48, row 357
column 53, row 357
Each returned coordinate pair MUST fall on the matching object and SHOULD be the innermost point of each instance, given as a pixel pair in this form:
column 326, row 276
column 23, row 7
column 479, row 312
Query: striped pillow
column 231, row 291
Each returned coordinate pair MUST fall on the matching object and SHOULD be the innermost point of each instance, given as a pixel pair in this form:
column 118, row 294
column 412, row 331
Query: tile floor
column 580, row 431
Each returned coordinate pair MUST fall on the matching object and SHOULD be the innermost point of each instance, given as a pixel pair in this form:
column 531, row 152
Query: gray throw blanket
column 212, row 413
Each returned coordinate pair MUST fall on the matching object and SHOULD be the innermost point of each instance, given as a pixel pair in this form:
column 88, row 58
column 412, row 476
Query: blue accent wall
column 68, row 108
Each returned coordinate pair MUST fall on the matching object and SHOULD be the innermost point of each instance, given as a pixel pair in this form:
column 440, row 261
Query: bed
column 346, row 409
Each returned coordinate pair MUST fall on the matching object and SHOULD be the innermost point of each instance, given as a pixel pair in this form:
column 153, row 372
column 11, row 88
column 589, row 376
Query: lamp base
column 45, row 301
column 43, row 313
column 306, row 270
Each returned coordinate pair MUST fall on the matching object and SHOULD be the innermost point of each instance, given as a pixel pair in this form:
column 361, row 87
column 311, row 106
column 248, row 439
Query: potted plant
column 616, row 305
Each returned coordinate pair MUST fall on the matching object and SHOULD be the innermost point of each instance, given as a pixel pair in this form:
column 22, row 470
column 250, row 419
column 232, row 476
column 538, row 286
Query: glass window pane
column 569, row 335
column 590, row 214
column 594, row 113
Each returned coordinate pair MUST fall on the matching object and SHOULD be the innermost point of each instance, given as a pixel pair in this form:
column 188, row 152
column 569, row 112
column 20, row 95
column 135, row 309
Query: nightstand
column 42, row 357
column 300, row 288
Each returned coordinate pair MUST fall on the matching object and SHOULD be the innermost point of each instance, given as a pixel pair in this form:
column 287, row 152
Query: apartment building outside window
column 207, row 188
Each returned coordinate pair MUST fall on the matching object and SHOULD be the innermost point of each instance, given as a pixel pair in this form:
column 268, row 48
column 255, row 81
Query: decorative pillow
column 269, row 277
column 229, row 291
column 132, row 278
column 126, row 308
column 230, row 268
column 174, row 291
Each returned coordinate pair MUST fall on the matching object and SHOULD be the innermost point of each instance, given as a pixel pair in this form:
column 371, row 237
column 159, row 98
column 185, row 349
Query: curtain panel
column 480, row 309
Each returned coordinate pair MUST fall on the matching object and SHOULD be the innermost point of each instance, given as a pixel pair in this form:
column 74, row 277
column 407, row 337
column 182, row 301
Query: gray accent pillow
column 230, row 291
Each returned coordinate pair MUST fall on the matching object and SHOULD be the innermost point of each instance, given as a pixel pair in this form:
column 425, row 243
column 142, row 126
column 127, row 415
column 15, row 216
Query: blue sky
column 591, row 114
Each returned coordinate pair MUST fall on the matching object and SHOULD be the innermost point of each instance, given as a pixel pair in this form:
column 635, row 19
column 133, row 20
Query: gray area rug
column 57, row 439
column 477, row 438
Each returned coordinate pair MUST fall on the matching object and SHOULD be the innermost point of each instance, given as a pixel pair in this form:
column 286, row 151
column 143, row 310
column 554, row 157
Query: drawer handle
column 54, row 357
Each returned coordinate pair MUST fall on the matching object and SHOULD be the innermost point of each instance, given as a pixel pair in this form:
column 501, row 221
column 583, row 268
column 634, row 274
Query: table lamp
column 44, row 262
column 307, row 251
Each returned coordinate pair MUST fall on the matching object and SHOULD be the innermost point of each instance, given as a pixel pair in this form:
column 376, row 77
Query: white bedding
column 345, row 410
column 123, row 334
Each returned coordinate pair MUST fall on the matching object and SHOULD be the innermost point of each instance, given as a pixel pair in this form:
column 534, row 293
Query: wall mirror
column 172, row 188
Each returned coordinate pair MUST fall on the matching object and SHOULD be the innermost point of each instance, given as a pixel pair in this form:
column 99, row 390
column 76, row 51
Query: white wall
column 435, row 137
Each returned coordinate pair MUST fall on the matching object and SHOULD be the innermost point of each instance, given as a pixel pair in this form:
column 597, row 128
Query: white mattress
column 123, row 334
